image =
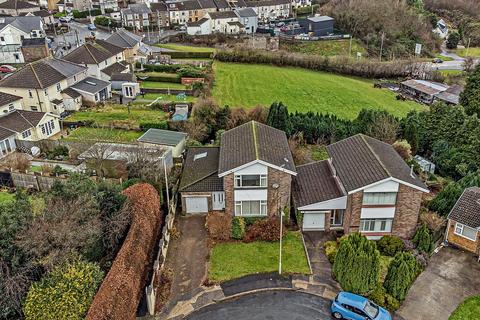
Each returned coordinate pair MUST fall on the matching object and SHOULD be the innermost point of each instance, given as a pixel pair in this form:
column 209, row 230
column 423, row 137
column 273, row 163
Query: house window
column 30, row 94
column 379, row 198
column 376, row 225
column 59, row 88
column 251, row 180
column 251, row 208
column 336, row 218
column 2, row 38
column 465, row 231
column 11, row 107
column 5, row 147
column 46, row 92
column 75, row 78
column 33, row 108
column 26, row 134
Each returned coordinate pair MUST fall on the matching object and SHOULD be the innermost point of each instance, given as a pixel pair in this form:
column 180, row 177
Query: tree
column 357, row 264
column 278, row 116
column 377, row 124
column 453, row 40
column 423, row 239
column 403, row 148
column 410, row 130
column 470, row 97
column 402, row 271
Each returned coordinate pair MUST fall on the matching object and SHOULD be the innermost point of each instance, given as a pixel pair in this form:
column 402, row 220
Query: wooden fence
column 40, row 183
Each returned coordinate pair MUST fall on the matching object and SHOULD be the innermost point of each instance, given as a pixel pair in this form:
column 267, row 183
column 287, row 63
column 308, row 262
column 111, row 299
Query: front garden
column 469, row 309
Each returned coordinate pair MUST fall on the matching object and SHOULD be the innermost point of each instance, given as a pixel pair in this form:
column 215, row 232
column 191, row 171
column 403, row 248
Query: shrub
column 401, row 273
column 238, row 228
column 403, row 148
column 265, row 230
column 57, row 152
column 382, row 298
column 65, row 293
column 390, row 245
column 299, row 217
column 331, row 249
column 218, row 225
column 357, row 264
column 423, row 239
column 251, row 220
column 157, row 125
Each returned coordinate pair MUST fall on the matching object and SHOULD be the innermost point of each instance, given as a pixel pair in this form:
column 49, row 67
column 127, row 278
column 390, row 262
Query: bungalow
column 172, row 140
column 429, row 92
column 463, row 228
column 93, row 90
column 249, row 175
column 364, row 186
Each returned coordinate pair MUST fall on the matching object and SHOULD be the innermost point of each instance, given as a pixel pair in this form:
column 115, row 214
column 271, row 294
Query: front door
column 314, row 221
column 218, row 200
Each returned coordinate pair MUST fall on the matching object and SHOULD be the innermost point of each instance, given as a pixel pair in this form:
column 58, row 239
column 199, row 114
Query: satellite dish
column 35, row 151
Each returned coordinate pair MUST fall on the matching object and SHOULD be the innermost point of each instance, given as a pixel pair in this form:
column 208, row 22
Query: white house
column 200, row 27
column 136, row 15
column 9, row 103
column 30, row 125
column 224, row 22
column 248, row 18
column 93, row 90
column 271, row 9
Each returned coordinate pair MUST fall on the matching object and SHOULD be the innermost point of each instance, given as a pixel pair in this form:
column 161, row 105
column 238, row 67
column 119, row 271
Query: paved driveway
column 451, row 276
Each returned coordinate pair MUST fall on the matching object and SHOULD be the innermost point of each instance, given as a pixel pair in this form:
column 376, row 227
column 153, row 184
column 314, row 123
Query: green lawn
column 157, row 74
column 101, row 134
column 6, row 197
column 302, row 90
column 162, row 85
column 179, row 47
column 467, row 310
column 325, row 48
column 236, row 259
column 444, row 58
column 472, row 52
column 451, row 72
column 109, row 114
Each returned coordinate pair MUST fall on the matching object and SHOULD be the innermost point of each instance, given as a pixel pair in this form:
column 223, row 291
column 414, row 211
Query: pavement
column 451, row 276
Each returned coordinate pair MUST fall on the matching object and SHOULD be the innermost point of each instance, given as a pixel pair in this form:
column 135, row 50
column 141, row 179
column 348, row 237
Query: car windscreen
column 371, row 310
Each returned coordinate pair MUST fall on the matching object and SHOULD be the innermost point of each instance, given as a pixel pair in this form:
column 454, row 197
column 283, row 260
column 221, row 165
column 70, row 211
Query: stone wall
column 460, row 241
column 409, row 201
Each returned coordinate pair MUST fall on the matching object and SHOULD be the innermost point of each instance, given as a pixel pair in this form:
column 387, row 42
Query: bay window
column 376, row 225
column 250, row 180
column 465, row 231
column 379, row 198
column 251, row 208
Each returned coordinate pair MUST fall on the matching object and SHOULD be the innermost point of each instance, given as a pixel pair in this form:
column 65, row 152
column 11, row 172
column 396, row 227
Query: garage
column 313, row 221
column 196, row 204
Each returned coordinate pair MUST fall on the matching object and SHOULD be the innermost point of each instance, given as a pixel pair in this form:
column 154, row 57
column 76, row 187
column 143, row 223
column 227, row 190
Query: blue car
column 91, row 26
column 354, row 307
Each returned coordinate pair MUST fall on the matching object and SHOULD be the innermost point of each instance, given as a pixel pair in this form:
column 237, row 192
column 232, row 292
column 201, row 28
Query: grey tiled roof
column 17, row 4
column 361, row 160
column 5, row 133
column 246, row 12
column 467, row 209
column 20, row 120
column 124, row 39
column 222, row 15
column 93, row 52
column 90, row 85
column 314, row 183
column 6, row 98
column 162, row 137
column 25, row 23
column 196, row 169
column 116, row 67
column 71, row 93
column 266, row 3
column 254, row 141
column 125, row 76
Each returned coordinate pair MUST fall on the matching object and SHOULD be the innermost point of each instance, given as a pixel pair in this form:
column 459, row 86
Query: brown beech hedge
column 122, row 288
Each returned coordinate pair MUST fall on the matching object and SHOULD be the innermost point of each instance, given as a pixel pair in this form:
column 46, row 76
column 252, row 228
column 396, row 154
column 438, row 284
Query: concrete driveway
column 451, row 276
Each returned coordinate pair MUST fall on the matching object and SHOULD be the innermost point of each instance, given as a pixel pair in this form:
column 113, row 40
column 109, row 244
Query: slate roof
column 136, row 8
column 41, row 74
column 5, row 133
column 93, row 52
column 186, row 5
column 222, row 15
column 33, row 42
column 427, row 87
column 71, row 93
column 197, row 23
column 17, row 4
column 266, row 3
column 124, row 39
column 6, row 98
column 207, row 4
column 90, row 85
column 158, row 6
column 21, row 120
column 361, row 160
column 467, row 209
column 116, row 67
column 254, row 141
column 315, row 183
column 222, row 4
column 25, row 23
column 246, row 12
column 124, row 76
column 162, row 137
column 200, row 175
column 40, row 13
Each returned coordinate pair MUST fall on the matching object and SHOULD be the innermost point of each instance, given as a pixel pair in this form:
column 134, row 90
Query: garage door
column 196, row 205
column 314, row 221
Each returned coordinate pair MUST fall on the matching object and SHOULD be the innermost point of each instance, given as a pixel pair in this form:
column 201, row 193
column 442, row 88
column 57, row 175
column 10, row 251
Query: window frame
column 378, row 200
column 334, row 214
column 372, row 223
column 462, row 228
column 238, row 181
column 239, row 208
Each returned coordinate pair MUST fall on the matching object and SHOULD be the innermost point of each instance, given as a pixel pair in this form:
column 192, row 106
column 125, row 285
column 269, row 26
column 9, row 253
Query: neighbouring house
column 34, row 49
column 224, row 22
column 106, row 5
column 93, row 90
column 268, row 10
column 30, row 125
column 46, row 16
column 13, row 30
column 364, row 186
column 249, row 175
column 101, row 58
column 137, row 15
column 159, row 16
column 118, row 79
column 425, row 165
column 200, row 27
column 301, row 3
column 17, row 7
column 463, row 229
column 318, row 26
column 248, row 18
column 41, row 83
column 129, row 42
column 428, row 91
column 441, row 29
column 172, row 140
column 9, row 103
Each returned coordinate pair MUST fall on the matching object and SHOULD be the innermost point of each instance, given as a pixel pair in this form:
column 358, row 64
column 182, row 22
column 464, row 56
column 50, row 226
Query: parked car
column 91, row 26
column 354, row 307
column 65, row 19
column 437, row 60
column 6, row 68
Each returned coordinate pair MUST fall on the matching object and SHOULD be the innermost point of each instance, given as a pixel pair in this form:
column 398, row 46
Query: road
column 278, row 305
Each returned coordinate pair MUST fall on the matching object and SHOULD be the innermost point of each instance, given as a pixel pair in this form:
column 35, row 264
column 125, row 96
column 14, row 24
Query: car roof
column 352, row 300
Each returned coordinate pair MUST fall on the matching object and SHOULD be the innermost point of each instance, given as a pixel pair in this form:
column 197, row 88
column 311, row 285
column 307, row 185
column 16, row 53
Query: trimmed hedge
column 122, row 289
column 238, row 228
column 401, row 273
column 170, row 68
column 160, row 78
column 390, row 245
column 156, row 125
column 189, row 55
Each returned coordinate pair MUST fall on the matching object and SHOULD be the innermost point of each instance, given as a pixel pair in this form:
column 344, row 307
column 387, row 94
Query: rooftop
column 90, row 85
column 200, row 170
column 120, row 152
column 116, row 67
column 320, row 18
column 17, row 4
column 222, row 15
column 25, row 23
column 93, row 52
column 124, row 39
column 424, row 86
column 162, row 137
column 20, row 120
column 6, row 98
column 467, row 209
column 246, row 12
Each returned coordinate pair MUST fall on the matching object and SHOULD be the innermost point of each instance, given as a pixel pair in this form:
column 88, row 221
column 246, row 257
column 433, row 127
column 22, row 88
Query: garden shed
column 173, row 140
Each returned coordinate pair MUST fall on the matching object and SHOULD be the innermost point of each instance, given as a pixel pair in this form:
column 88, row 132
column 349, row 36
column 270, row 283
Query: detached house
column 250, row 174
column 364, row 186
column 129, row 42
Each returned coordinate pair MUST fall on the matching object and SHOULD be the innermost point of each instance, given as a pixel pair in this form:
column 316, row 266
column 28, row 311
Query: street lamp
column 275, row 187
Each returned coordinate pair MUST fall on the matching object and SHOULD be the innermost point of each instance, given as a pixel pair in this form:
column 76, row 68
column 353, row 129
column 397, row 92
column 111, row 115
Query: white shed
column 173, row 140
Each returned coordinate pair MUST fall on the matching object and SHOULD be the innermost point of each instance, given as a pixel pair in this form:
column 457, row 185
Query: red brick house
column 364, row 186
column 463, row 228
column 250, row 174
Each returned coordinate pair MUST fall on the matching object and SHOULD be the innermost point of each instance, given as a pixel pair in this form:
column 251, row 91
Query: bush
column 251, row 220
column 190, row 72
column 157, row 125
column 238, row 228
column 265, row 230
column 218, row 225
column 65, row 293
column 357, row 264
column 390, row 245
column 161, row 78
column 57, row 152
column 331, row 249
column 401, row 273
column 382, row 298
column 423, row 239
column 170, row 68
column 189, row 55
column 299, row 217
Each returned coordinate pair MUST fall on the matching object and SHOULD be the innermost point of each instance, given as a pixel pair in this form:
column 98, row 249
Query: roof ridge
column 255, row 141
column 21, row 115
column 90, row 53
column 362, row 136
column 35, row 74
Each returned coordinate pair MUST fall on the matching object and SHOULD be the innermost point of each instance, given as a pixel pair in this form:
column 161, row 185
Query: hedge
column 170, row 68
column 122, row 289
column 161, row 78
column 189, row 55
column 238, row 228
column 156, row 125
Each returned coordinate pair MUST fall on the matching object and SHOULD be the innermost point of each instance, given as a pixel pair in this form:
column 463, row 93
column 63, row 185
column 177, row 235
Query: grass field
column 162, row 85
column 472, row 52
column 324, row 48
column 101, row 134
column 302, row 90
column 109, row 114
column 236, row 259
column 468, row 310
column 179, row 47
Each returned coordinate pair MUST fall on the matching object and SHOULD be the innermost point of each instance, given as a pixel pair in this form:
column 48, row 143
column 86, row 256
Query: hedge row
column 120, row 292
column 164, row 79
column 189, row 55
column 171, row 68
